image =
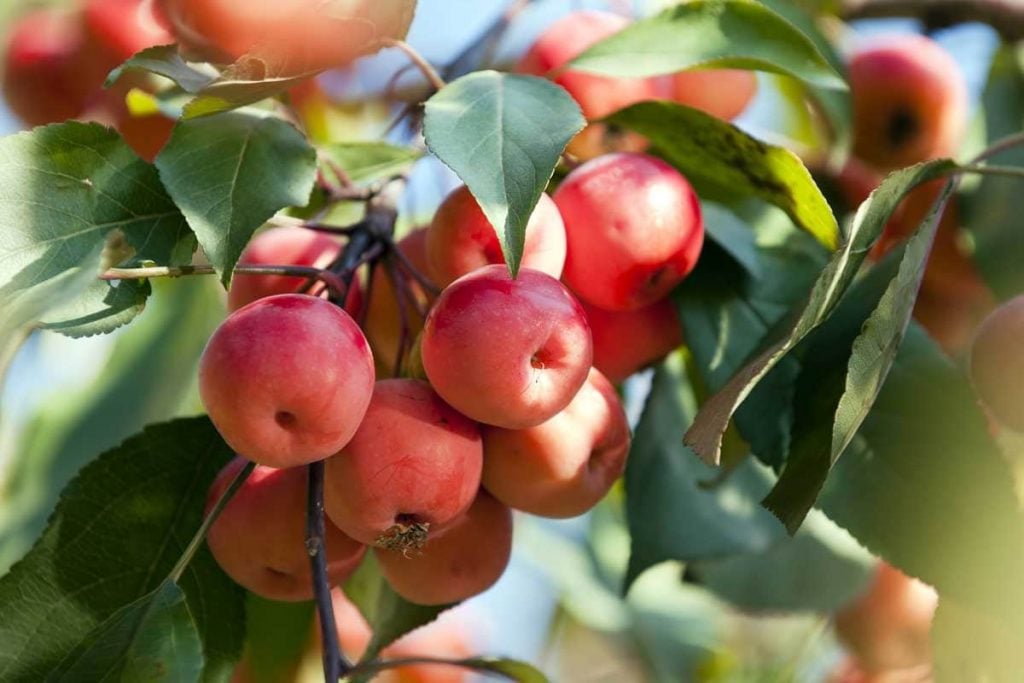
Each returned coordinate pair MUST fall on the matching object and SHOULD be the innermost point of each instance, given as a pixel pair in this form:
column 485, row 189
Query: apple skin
column 49, row 75
column 723, row 93
column 259, row 538
column 460, row 239
column 292, row 246
column 634, row 230
column 414, row 459
column 124, row 27
column 598, row 96
column 287, row 379
column 297, row 36
column 508, row 353
column 565, row 466
column 464, row 560
column 909, row 101
column 997, row 364
column 628, row 341
column 889, row 626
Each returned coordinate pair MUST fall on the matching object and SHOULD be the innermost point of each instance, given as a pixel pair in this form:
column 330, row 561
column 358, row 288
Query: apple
column 287, row 379
column 411, row 468
column 565, row 466
column 997, row 364
column 634, row 230
column 507, row 352
column 628, row 341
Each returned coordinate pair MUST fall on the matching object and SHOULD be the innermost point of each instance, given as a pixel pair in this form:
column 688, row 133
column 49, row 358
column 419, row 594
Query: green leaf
column 729, row 232
column 671, row 513
column 820, row 569
column 166, row 61
column 152, row 639
column 729, row 315
column 710, row 33
column 705, row 434
column 871, row 356
column 231, row 173
column 502, row 134
column 924, row 486
column 161, row 351
column 509, row 668
column 68, row 191
column 970, row 646
column 277, row 635
column 118, row 530
column 990, row 209
column 249, row 80
column 369, row 161
column 716, row 153
column 390, row 615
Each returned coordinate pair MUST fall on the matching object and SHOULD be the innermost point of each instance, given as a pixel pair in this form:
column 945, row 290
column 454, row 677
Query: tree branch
column 1005, row 16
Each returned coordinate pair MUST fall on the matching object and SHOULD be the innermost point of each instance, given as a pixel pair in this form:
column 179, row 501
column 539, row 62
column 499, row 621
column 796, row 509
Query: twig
column 412, row 271
column 429, row 72
column 1005, row 16
column 335, row 665
column 333, row 282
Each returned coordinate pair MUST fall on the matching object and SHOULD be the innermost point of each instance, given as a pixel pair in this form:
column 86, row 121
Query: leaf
column 820, row 569
column 369, row 161
column 511, row 669
column 671, row 514
column 152, row 639
column 251, row 79
column 502, row 134
column 990, row 209
column 67, row 432
column 925, row 487
column 231, row 173
column 389, row 614
column 970, row 646
column 734, row 236
column 729, row 315
column 118, row 530
column 277, row 636
column 871, row 356
column 710, row 33
column 68, row 191
column 714, row 152
column 166, row 61
column 705, row 434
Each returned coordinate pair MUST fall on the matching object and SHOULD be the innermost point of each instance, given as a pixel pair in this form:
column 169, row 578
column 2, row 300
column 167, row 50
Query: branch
column 334, row 662
column 1005, row 16
column 334, row 283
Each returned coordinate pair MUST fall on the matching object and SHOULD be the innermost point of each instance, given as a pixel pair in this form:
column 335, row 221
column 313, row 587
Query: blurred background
column 560, row 603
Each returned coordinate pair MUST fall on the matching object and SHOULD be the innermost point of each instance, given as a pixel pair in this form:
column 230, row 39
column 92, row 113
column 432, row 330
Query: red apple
column 287, row 379
column 724, row 93
column 634, row 230
column 509, row 353
column 565, row 466
column 997, row 364
column 628, row 341
column 412, row 467
column 460, row 239
column 463, row 561
column 259, row 539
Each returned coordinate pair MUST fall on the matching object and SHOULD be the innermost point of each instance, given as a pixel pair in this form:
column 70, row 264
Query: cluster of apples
column 515, row 410
column 58, row 58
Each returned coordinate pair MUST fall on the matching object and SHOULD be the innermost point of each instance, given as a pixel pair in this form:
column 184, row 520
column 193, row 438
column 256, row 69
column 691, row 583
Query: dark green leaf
column 277, row 635
column 369, row 161
column 705, row 435
column 118, row 530
column 152, row 639
column 68, row 191
column 230, row 173
column 166, row 61
column 871, row 356
column 390, row 615
column 672, row 515
column 991, row 209
column 162, row 350
column 711, row 33
column 820, row 569
column 924, row 486
column 502, row 134
column 729, row 232
column 729, row 314
column 721, row 155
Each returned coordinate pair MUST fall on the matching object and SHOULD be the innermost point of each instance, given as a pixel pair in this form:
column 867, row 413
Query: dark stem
column 335, row 665
column 1005, row 16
